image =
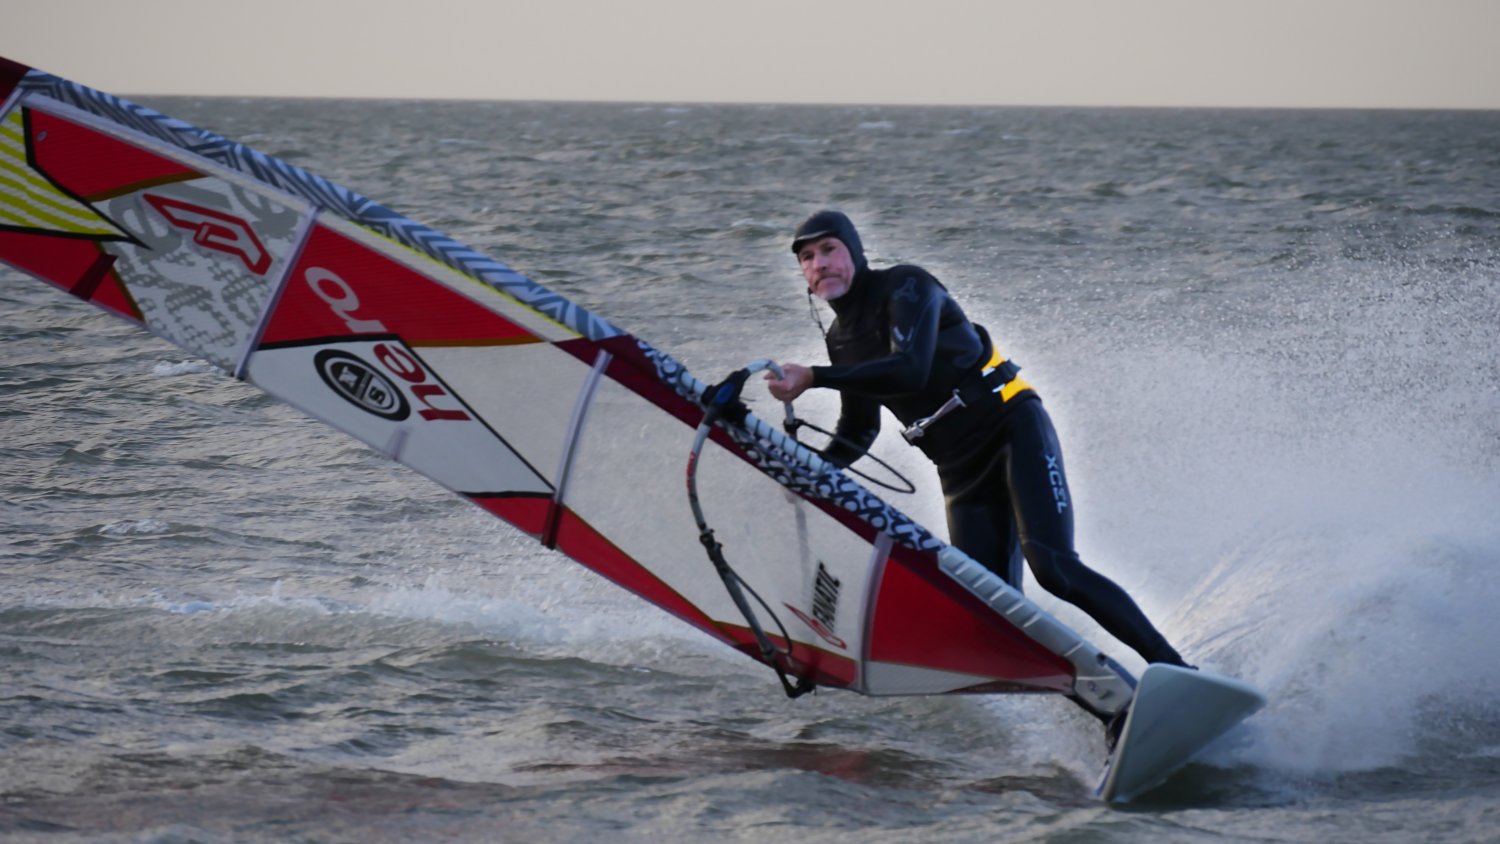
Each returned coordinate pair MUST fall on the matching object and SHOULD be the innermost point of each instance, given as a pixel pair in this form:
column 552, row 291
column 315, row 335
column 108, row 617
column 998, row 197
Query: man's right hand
column 794, row 381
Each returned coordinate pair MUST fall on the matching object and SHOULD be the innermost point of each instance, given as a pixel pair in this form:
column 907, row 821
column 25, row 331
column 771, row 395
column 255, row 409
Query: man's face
column 827, row 266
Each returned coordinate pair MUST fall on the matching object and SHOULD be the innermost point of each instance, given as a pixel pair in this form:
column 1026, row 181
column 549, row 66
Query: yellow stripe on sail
column 29, row 200
column 51, row 207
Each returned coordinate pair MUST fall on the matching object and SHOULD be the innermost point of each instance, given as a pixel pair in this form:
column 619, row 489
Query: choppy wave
column 1267, row 339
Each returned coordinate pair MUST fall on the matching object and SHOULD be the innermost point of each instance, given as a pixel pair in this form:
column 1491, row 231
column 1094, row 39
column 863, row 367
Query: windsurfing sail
column 506, row 393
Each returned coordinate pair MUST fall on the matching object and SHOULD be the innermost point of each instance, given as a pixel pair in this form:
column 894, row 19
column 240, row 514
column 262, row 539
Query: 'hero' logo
column 380, row 390
column 215, row 230
column 366, row 386
column 342, row 300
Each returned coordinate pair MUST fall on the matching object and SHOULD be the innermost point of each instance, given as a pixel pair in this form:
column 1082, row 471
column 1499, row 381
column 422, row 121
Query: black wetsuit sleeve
column 915, row 309
column 859, row 424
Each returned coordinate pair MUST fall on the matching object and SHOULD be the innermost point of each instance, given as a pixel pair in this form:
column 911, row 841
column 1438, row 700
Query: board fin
column 1175, row 714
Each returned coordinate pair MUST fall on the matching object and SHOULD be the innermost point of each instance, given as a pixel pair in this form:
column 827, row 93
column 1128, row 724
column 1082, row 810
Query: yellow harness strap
column 1010, row 388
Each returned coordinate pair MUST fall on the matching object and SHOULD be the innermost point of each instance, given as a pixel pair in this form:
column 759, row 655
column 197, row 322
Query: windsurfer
column 900, row 340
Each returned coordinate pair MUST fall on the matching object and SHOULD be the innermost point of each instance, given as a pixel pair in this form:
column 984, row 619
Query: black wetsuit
column 901, row 341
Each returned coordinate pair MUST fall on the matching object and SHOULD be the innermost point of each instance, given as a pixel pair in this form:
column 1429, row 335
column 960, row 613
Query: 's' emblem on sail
column 359, row 384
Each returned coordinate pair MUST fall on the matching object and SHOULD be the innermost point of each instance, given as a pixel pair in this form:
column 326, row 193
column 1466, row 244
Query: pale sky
column 1295, row 53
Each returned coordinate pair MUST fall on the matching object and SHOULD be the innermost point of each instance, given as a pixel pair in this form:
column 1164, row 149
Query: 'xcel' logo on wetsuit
column 1059, row 484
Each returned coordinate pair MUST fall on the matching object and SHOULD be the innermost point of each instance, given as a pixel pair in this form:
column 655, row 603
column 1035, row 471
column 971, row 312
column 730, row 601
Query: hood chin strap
column 812, row 305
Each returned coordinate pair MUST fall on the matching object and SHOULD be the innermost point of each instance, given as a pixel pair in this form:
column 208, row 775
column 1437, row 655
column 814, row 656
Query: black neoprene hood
column 830, row 224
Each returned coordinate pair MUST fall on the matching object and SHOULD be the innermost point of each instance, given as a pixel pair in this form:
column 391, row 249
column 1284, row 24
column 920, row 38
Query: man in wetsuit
column 899, row 340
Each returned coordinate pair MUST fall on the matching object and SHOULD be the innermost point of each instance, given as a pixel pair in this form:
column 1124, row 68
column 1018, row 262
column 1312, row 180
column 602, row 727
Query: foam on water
column 135, row 527
column 569, row 612
column 186, row 367
column 1321, row 524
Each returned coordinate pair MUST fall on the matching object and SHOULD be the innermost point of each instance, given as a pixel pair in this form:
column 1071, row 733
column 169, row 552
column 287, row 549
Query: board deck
column 1176, row 713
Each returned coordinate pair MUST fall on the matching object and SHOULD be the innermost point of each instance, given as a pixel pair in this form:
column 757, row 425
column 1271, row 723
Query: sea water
column 1268, row 339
